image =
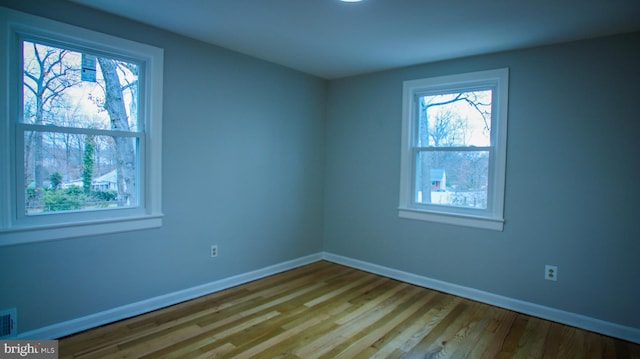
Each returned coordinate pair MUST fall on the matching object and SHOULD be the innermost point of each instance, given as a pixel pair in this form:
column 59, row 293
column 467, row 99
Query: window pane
column 72, row 172
column 66, row 88
column 452, row 178
column 455, row 120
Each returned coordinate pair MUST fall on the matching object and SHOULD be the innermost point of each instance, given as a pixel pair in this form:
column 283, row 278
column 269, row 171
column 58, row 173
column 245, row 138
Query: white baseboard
column 127, row 311
column 94, row 320
column 556, row 315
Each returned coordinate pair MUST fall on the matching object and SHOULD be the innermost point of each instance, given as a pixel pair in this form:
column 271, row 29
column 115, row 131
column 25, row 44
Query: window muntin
column 74, row 117
column 454, row 149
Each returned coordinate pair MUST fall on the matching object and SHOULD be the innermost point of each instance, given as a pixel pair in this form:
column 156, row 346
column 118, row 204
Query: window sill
column 496, row 224
column 24, row 235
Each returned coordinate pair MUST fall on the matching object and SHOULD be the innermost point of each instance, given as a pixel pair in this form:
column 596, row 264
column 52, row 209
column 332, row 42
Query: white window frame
column 15, row 227
column 493, row 216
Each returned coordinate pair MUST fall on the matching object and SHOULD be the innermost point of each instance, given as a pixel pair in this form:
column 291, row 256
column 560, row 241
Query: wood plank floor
column 325, row 310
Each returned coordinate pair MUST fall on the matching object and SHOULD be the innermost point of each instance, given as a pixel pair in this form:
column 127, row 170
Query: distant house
column 108, row 181
column 438, row 180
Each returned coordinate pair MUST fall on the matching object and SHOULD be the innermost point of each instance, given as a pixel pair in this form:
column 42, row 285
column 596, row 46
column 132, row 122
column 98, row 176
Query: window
column 454, row 149
column 81, row 132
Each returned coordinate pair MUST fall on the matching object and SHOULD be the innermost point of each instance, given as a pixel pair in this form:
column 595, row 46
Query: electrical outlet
column 214, row 250
column 551, row 272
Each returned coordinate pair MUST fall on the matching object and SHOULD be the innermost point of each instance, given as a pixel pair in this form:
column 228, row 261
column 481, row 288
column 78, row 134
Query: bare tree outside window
column 48, row 72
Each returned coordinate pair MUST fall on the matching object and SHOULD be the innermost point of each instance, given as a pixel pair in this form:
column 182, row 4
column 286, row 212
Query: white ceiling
column 332, row 39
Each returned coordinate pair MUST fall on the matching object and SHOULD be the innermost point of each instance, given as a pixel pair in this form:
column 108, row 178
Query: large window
column 81, row 132
column 454, row 149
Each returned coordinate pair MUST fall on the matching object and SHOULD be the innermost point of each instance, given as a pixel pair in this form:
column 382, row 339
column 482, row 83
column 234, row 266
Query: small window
column 82, row 134
column 454, row 149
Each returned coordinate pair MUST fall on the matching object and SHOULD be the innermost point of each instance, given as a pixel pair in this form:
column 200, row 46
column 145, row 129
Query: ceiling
column 332, row 39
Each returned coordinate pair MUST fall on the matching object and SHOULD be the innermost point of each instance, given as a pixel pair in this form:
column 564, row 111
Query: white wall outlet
column 214, row 250
column 551, row 272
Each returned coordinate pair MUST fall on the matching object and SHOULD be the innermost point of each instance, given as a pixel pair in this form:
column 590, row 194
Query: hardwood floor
column 325, row 310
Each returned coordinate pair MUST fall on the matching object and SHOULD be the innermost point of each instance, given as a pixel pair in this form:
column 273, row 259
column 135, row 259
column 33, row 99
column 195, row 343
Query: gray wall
column 573, row 180
column 242, row 167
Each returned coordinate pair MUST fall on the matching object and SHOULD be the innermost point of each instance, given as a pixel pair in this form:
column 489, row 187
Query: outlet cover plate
column 551, row 272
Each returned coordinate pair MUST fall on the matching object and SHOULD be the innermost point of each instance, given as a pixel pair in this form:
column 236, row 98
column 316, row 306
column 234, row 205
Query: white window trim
column 13, row 228
column 493, row 217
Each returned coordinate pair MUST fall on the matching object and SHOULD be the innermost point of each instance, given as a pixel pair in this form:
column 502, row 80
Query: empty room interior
column 276, row 141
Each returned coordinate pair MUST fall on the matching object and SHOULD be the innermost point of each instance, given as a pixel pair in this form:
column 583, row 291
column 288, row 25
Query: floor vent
column 8, row 327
